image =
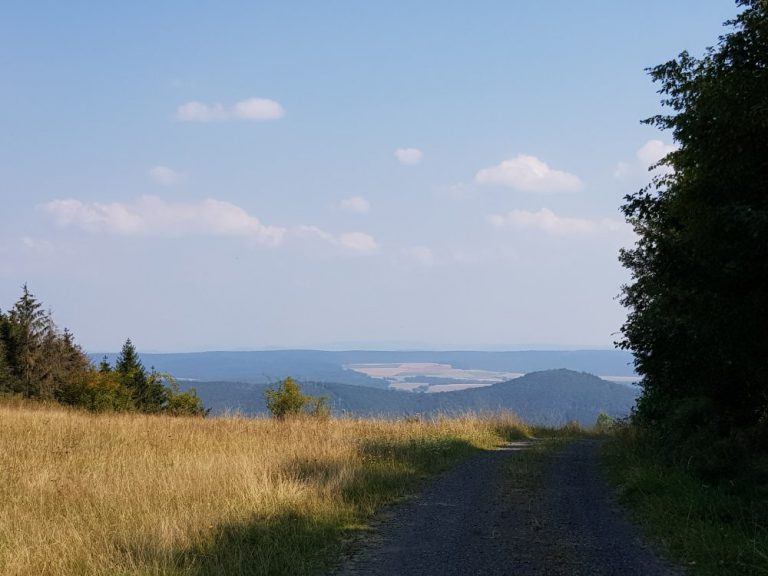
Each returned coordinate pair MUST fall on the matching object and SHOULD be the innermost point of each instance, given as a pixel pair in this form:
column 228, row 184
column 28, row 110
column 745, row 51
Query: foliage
column 37, row 360
column 288, row 400
column 97, row 391
column 713, row 529
column 698, row 303
column 604, row 422
column 180, row 403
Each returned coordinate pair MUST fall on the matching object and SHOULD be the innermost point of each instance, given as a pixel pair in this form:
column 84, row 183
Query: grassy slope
column 134, row 494
column 713, row 530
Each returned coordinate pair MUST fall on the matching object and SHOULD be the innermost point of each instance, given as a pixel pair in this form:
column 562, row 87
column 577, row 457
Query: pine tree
column 128, row 360
column 29, row 325
column 149, row 393
column 104, row 366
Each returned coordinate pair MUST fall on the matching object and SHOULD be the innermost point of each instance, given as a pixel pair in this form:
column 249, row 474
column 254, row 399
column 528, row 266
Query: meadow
column 84, row 493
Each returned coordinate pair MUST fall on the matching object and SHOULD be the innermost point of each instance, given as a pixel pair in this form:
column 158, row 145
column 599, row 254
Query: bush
column 97, row 391
column 288, row 400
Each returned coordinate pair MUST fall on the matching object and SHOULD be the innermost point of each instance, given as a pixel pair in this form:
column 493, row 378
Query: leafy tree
column 604, row 422
column 288, row 400
column 96, row 390
column 182, row 403
column 698, row 301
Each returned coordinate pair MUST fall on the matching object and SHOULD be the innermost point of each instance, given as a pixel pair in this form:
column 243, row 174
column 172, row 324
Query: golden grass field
column 111, row 494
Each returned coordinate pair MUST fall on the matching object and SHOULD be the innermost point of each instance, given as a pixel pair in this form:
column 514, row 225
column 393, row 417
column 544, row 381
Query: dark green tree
column 698, row 301
column 6, row 382
column 30, row 331
column 149, row 392
column 104, row 365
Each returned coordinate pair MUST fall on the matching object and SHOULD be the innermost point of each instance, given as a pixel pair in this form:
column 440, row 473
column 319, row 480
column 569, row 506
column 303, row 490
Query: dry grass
column 133, row 494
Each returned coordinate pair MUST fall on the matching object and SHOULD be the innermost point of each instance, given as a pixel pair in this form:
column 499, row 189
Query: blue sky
column 242, row 175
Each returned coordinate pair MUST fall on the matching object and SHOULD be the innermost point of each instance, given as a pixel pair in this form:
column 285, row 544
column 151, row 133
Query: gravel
column 473, row 520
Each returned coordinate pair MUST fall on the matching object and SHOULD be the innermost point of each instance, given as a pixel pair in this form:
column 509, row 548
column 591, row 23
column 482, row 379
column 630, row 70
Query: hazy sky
column 240, row 175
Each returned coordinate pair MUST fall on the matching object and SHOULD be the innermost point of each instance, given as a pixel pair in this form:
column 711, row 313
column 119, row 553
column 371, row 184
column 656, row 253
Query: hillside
column 323, row 366
column 550, row 397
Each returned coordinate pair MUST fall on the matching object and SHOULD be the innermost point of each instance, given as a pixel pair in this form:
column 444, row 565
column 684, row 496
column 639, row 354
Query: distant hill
column 322, row 366
column 550, row 397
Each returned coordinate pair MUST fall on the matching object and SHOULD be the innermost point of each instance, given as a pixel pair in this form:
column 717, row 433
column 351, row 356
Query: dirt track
column 475, row 520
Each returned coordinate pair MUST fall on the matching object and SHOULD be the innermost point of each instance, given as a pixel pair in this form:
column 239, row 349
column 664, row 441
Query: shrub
column 288, row 400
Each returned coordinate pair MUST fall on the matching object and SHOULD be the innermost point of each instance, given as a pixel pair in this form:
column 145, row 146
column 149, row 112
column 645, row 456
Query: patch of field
column 400, row 371
column 622, row 379
column 136, row 494
column 455, row 387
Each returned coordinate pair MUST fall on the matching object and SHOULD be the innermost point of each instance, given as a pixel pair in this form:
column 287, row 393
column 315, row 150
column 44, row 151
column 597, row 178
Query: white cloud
column 151, row 216
column 165, row 176
column 250, row 109
column 546, row 221
column 358, row 242
column 258, row 109
column 647, row 155
column 528, row 174
column 421, row 254
column 355, row 204
column 409, row 156
column 653, row 151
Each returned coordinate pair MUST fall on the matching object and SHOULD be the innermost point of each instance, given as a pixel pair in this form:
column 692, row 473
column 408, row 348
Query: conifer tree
column 149, row 393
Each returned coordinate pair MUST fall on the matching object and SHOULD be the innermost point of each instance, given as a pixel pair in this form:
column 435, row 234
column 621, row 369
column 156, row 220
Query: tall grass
column 713, row 529
column 135, row 494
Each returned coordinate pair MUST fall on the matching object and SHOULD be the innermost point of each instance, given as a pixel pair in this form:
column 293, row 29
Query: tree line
column 698, row 301
column 39, row 361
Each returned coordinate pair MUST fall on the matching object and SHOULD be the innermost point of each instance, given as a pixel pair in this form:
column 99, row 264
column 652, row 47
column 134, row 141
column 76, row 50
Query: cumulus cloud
column 250, row 109
column 165, row 176
column 527, row 173
column 647, row 155
column 358, row 242
column 545, row 220
column 653, row 151
column 151, row 216
column 408, row 156
column 355, row 204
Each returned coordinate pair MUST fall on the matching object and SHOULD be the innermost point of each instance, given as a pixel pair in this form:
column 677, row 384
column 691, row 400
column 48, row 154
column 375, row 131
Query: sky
column 341, row 174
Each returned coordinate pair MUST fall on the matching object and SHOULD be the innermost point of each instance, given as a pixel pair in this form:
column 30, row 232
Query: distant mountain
column 551, row 397
column 317, row 365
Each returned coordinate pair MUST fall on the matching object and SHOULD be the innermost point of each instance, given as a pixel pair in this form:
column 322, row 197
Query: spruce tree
column 149, row 393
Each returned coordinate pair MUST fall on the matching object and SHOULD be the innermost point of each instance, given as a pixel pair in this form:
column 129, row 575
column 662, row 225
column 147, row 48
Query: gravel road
column 473, row 520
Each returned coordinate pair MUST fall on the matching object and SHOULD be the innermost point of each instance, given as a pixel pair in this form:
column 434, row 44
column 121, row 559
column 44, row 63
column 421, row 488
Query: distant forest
column 551, row 397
